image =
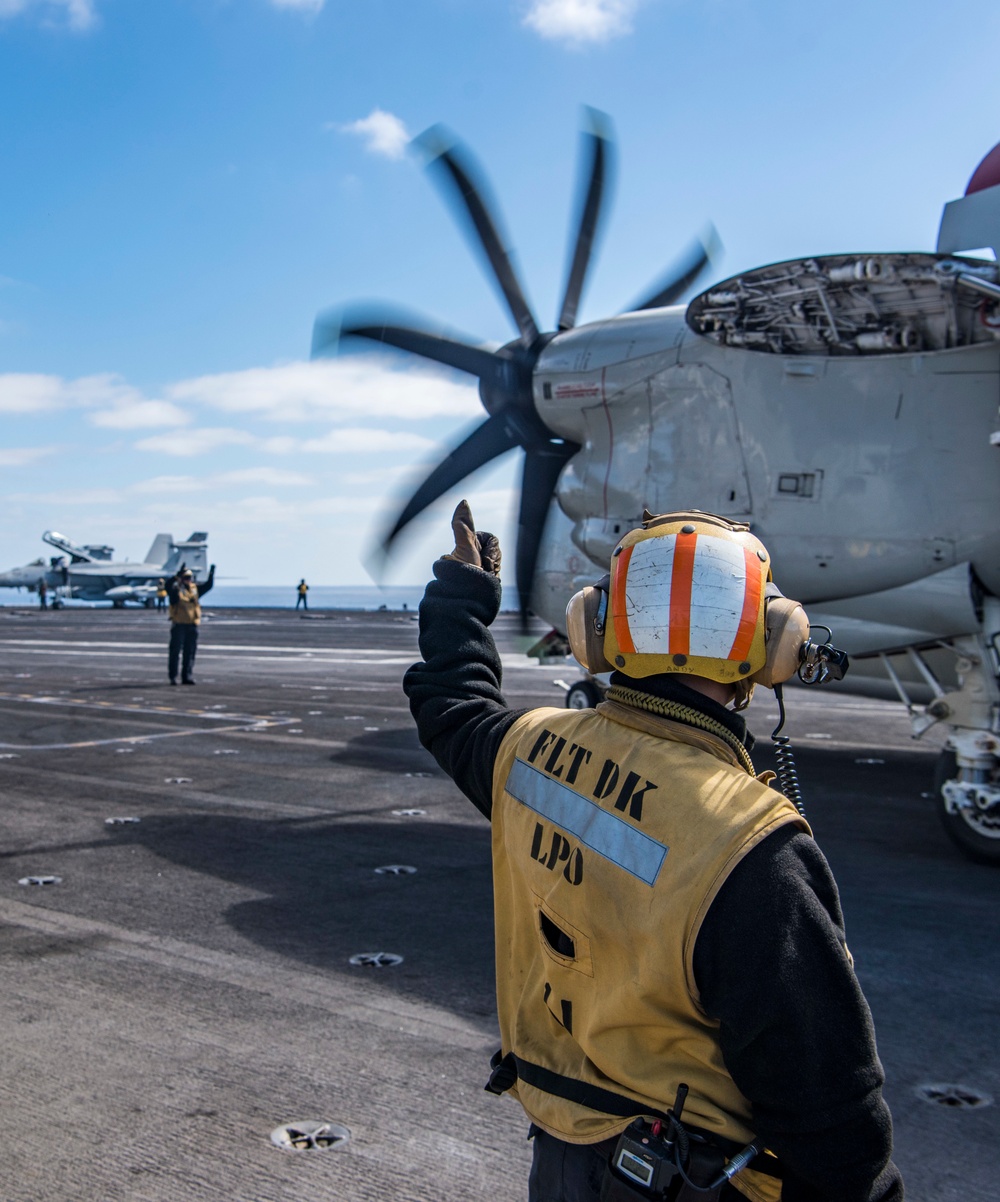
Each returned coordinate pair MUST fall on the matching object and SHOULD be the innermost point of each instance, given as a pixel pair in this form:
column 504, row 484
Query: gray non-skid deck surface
column 186, row 987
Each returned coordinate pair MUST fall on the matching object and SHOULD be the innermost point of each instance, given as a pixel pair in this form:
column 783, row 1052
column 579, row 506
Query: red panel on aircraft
column 987, row 174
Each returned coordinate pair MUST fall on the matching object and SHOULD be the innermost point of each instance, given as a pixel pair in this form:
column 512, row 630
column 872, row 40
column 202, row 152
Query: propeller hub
column 508, row 388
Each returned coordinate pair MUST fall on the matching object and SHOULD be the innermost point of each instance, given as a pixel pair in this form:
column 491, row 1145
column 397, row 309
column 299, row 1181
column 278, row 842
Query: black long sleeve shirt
column 794, row 1028
column 174, row 586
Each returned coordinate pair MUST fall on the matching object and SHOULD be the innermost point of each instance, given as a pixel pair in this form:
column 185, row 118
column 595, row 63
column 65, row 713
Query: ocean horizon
column 267, row 596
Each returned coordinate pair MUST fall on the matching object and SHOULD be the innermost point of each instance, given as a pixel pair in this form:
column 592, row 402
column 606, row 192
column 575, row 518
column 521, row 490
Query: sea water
column 321, row 596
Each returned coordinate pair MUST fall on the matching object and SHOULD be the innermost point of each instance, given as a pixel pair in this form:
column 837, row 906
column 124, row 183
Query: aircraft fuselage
column 859, row 472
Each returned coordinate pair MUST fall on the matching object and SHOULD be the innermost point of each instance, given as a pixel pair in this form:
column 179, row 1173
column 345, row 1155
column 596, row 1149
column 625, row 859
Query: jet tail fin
column 193, row 553
column 160, row 550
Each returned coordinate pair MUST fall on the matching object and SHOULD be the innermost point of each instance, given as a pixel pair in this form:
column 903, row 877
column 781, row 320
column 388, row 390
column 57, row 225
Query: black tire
column 973, row 833
column 150, row 603
column 583, row 695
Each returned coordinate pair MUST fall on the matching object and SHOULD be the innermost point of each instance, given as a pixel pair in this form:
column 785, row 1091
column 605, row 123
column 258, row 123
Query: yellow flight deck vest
column 613, row 831
column 186, row 611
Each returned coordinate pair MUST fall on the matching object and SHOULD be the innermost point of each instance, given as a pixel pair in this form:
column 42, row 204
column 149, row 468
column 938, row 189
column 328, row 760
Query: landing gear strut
column 969, row 809
column 967, row 777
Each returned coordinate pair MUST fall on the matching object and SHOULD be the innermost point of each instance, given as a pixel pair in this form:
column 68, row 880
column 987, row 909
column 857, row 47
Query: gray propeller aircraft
column 844, row 405
column 87, row 573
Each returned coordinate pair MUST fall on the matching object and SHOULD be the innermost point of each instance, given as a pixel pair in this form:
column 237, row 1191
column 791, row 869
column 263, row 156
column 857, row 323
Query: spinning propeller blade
column 446, row 162
column 684, row 272
column 506, row 376
column 542, row 466
column 441, row 349
column 596, row 140
column 488, row 441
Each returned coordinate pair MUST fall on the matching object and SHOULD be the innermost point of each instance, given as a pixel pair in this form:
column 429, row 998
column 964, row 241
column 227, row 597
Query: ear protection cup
column 585, row 617
column 786, row 631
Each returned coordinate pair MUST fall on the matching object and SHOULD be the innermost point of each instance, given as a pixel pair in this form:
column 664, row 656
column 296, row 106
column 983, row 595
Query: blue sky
column 186, row 183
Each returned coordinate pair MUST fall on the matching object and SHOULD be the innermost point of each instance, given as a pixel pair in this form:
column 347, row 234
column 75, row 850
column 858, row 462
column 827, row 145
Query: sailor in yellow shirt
column 302, row 599
column 185, row 617
column 671, row 963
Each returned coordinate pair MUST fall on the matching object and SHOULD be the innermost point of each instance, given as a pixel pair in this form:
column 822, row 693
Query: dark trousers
column 302, row 601
column 562, row 1172
column 183, row 645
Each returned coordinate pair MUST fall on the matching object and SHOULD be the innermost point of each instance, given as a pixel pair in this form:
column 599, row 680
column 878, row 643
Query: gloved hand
column 481, row 550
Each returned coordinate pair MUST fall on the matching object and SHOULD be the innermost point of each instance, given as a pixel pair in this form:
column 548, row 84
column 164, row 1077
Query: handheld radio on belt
column 661, row 1159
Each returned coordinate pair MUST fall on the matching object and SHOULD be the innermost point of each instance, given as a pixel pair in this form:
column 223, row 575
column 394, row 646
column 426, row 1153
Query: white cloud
column 332, row 390
column 273, row 476
column 327, row 390
column 341, row 441
column 580, row 21
column 74, row 14
column 364, row 441
column 196, row 442
column 71, row 499
column 117, row 404
column 384, row 133
column 22, row 456
column 23, row 393
column 136, row 414
column 274, row 514
column 300, row 6
column 376, row 478
column 163, row 486
column 283, row 445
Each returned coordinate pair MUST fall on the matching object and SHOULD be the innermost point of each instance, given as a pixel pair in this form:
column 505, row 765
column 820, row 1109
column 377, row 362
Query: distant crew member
column 185, row 617
column 43, row 592
column 303, row 600
column 161, row 593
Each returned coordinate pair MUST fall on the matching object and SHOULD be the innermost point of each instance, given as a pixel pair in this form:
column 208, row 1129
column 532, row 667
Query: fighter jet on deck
column 87, row 573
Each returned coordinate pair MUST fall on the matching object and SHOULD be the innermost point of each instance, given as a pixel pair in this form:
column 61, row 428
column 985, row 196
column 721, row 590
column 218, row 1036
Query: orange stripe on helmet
column 619, row 614
column 680, row 594
column 751, row 607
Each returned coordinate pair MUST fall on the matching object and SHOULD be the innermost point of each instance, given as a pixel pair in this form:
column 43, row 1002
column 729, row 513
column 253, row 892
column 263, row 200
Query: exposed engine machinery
column 846, row 305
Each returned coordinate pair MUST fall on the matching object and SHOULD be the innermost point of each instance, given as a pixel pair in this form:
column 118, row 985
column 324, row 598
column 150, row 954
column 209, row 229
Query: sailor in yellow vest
column 185, row 617
column 673, row 983
column 303, row 595
column 161, row 593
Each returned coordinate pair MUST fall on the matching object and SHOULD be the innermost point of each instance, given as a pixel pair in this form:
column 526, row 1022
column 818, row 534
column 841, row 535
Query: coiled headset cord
column 679, row 1137
column 788, row 776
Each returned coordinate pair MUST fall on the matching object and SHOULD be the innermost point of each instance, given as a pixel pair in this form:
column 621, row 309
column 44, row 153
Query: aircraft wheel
column 117, row 604
column 583, row 695
column 56, row 605
column 974, row 832
column 149, row 603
